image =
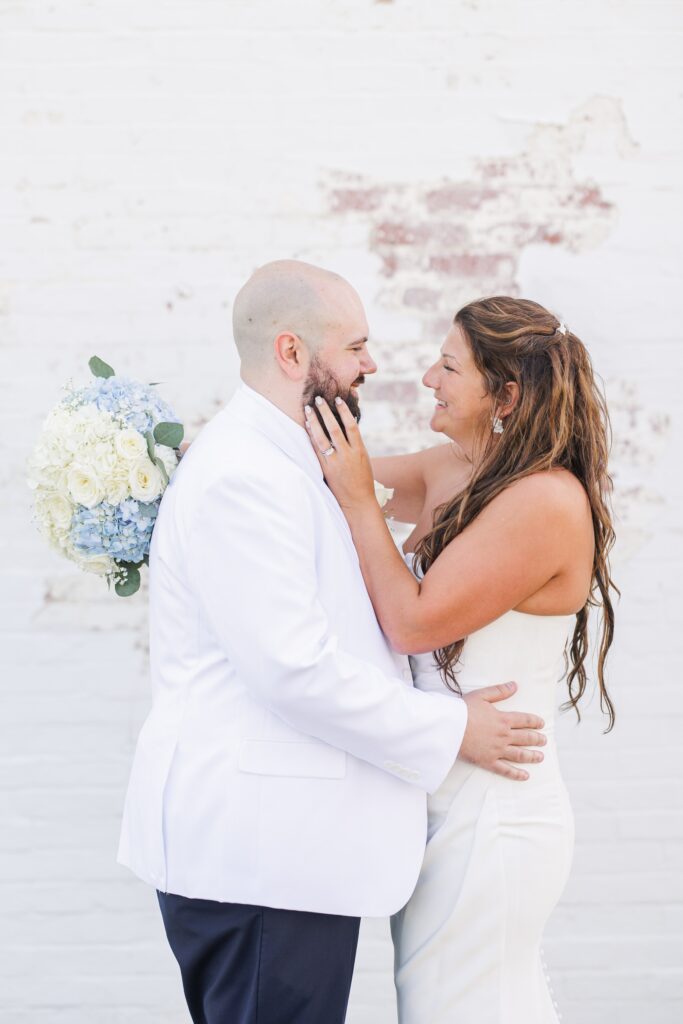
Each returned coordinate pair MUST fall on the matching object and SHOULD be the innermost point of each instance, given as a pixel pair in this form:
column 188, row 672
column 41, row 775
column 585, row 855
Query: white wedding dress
column 468, row 942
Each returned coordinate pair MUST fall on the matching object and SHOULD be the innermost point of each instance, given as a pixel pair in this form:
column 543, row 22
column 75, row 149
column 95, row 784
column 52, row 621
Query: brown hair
column 561, row 420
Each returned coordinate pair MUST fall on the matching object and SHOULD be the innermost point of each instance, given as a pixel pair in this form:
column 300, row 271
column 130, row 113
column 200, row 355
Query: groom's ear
column 291, row 355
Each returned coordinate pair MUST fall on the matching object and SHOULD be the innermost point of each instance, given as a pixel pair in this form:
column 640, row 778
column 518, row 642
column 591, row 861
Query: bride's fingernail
column 337, row 400
column 318, row 400
column 307, row 411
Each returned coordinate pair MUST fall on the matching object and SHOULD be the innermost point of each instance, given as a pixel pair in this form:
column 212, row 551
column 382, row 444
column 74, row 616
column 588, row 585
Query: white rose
column 130, row 444
column 59, row 509
column 145, row 481
column 102, row 565
column 48, row 455
column 102, row 424
column 42, row 456
column 103, row 460
column 54, row 512
column 383, row 494
column 76, row 435
column 84, row 485
column 168, row 457
column 59, row 423
column 87, row 426
column 118, row 486
column 60, row 481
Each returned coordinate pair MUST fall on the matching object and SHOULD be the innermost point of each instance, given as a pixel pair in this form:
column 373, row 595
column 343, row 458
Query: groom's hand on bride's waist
column 494, row 738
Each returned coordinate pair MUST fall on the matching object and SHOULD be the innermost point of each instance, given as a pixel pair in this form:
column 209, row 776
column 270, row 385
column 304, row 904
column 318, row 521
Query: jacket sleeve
column 252, row 561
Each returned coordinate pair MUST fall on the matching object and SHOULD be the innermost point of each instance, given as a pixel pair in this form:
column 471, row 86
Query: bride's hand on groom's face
column 344, row 459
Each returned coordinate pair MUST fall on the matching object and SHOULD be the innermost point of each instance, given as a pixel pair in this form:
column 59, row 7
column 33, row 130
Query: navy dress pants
column 243, row 964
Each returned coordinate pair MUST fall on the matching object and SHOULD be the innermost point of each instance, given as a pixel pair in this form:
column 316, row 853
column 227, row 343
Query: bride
column 509, row 552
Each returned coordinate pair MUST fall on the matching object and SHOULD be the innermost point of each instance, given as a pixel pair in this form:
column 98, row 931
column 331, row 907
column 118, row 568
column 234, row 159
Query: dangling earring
column 497, row 425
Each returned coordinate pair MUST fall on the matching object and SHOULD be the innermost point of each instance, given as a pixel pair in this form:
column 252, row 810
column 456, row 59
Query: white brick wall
column 151, row 155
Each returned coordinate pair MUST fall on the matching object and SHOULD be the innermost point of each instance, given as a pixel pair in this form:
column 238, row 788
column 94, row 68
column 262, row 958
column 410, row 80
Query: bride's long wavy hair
column 561, row 420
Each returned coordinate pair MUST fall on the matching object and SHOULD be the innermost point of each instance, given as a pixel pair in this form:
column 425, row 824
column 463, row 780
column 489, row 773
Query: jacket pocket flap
column 303, row 760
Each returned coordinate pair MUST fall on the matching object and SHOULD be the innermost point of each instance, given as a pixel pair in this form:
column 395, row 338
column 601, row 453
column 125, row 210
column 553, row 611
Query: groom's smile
column 339, row 367
column 356, row 384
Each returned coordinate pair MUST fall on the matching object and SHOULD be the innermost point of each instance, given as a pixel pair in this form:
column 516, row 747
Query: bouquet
column 98, row 471
column 383, row 494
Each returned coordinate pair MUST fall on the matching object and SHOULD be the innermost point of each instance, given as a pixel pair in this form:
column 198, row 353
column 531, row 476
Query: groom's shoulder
column 228, row 449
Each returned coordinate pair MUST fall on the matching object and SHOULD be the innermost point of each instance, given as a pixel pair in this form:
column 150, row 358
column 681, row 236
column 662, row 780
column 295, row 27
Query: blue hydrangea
column 133, row 404
column 121, row 531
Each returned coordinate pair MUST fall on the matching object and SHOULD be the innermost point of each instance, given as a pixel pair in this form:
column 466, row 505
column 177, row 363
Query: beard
column 320, row 381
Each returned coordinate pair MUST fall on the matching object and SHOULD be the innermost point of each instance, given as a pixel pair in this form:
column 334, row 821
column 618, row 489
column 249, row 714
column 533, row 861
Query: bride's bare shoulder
column 553, row 493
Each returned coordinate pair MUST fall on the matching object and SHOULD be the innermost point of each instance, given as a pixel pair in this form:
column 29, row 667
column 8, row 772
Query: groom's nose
column 368, row 364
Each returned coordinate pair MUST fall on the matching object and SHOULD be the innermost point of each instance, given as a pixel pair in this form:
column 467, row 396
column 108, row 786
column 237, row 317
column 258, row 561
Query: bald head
column 289, row 296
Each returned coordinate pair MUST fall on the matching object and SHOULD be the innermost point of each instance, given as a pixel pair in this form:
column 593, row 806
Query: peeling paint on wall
column 443, row 243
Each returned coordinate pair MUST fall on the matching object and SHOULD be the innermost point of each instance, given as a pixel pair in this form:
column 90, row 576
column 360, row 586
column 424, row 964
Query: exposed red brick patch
column 418, row 233
column 549, row 237
column 592, row 196
column 493, row 168
column 388, row 233
column 459, row 197
column 364, row 200
column 446, row 233
column 442, row 242
column 469, row 264
column 389, row 264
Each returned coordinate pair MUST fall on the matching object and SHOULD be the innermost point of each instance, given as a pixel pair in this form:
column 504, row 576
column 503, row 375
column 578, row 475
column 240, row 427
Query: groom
column 279, row 783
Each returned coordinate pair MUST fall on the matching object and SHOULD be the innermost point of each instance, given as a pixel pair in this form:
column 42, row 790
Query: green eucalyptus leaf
column 162, row 469
column 129, row 584
column 99, row 368
column 169, row 434
column 149, row 437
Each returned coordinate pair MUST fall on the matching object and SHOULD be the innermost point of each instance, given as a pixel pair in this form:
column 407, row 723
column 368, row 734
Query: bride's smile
column 464, row 407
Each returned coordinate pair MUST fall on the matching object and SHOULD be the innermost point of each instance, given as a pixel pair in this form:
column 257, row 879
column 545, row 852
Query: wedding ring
column 329, row 451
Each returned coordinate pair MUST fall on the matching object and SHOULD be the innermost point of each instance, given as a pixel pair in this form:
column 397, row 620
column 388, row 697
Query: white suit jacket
column 286, row 758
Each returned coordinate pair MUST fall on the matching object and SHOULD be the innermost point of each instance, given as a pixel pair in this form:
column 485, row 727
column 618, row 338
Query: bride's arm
column 409, row 476
column 404, row 474
column 505, row 555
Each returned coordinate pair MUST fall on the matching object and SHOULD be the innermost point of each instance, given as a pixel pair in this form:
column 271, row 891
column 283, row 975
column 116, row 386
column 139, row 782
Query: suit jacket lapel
column 261, row 415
